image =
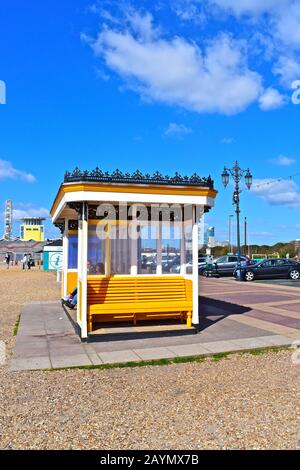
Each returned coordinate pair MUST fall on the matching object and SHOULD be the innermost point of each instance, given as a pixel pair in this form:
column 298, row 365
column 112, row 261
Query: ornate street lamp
column 248, row 179
column 237, row 174
column 225, row 177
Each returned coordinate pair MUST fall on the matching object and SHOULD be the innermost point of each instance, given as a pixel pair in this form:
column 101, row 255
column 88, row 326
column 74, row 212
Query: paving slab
column 115, row 357
column 216, row 347
column 154, row 353
column 70, row 361
column 278, row 340
column 189, row 350
column 67, row 351
column 33, row 363
column 252, row 343
column 94, row 358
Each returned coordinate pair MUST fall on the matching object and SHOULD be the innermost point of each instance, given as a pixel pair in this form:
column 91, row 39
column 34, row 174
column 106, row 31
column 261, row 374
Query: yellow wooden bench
column 138, row 298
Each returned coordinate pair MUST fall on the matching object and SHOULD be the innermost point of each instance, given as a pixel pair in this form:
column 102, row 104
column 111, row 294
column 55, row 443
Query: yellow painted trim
column 72, row 280
column 73, row 232
column 79, row 304
column 134, row 189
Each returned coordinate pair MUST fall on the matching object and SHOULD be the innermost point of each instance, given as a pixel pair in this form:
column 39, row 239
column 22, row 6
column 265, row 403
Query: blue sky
column 173, row 86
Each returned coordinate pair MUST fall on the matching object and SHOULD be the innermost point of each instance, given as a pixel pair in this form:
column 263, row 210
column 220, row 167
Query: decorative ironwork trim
column 60, row 226
column 137, row 177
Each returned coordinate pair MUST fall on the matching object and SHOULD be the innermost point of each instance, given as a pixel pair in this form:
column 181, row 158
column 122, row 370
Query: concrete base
column 46, row 339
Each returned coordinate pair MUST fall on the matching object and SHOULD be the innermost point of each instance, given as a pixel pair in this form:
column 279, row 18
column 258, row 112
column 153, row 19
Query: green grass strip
column 16, row 327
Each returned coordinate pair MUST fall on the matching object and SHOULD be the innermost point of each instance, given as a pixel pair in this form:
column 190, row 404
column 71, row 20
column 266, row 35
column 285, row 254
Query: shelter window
column 73, row 251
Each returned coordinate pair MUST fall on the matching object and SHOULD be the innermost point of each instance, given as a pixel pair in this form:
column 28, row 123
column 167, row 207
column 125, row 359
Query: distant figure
column 24, row 261
column 100, row 268
column 90, row 267
column 7, row 260
column 29, row 261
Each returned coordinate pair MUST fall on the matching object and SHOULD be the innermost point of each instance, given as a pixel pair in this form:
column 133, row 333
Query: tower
column 32, row 228
column 8, row 220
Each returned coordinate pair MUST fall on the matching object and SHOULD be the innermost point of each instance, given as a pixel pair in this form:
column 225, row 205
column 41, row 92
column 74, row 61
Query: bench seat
column 139, row 298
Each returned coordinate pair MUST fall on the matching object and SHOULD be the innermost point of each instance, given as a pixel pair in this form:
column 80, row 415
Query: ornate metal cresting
column 137, row 177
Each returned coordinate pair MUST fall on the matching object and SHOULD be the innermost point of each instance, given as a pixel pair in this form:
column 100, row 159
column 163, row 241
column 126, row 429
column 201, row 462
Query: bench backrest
column 132, row 288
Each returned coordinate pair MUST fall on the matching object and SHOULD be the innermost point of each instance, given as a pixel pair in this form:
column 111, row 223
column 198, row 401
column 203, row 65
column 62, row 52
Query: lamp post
column 230, row 222
column 237, row 174
column 245, row 236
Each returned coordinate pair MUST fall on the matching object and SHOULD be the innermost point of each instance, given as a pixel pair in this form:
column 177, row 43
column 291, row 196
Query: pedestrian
column 24, row 261
column 7, row 260
column 29, row 261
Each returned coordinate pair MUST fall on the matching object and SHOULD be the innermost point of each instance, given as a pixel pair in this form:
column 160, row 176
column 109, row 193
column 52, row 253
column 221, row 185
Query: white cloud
column 287, row 25
column 2, row 92
column 228, row 140
column 282, row 160
column 278, row 192
column 288, row 68
column 142, row 25
column 190, row 10
column 254, row 7
column 177, row 130
column 214, row 79
column 271, row 99
column 30, row 211
column 7, row 171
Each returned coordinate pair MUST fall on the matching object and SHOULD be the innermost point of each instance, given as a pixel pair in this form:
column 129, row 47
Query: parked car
column 272, row 269
column 225, row 265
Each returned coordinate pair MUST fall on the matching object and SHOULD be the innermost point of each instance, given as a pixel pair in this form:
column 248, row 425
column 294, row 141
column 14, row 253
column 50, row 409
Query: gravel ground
column 243, row 402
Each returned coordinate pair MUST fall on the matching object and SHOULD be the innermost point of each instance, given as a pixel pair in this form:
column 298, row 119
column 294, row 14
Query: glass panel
column 147, row 249
column 96, row 250
column 171, row 249
column 120, row 250
column 73, row 251
column 188, row 247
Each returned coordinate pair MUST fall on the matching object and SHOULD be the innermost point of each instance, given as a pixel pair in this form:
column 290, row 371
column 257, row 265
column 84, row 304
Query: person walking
column 7, row 260
column 29, row 261
column 24, row 261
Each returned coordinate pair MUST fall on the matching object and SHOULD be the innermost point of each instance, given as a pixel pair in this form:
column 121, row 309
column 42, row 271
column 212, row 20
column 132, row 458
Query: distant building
column 32, row 228
column 209, row 237
column 8, row 220
column 53, row 256
column 17, row 248
column 223, row 243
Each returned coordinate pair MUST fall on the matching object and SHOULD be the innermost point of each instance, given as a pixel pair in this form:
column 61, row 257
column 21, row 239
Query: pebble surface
column 242, row 402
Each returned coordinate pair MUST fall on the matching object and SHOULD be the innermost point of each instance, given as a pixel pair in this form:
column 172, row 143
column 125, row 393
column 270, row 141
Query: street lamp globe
column 248, row 179
column 225, row 177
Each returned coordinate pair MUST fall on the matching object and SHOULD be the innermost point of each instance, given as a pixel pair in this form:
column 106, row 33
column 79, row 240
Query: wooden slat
column 152, row 297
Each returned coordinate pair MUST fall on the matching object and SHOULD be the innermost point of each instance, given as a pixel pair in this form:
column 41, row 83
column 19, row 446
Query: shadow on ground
column 212, row 311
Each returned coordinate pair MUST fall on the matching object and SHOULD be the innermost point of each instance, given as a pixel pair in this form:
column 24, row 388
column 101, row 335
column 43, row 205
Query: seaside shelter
column 130, row 245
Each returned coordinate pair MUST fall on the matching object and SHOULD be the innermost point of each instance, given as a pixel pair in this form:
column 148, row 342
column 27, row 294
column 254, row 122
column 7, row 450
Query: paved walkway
column 254, row 316
column 273, row 307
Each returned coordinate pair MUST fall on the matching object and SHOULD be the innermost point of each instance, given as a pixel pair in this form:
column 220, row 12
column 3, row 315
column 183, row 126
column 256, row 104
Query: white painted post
column 79, row 271
column 82, row 271
column 134, row 243
column 84, row 255
column 65, row 258
column 182, row 249
column 195, row 317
